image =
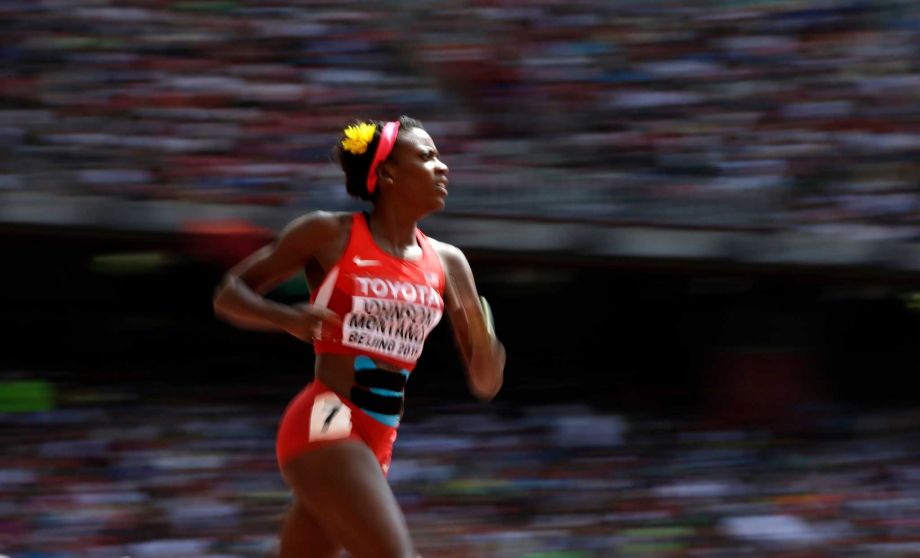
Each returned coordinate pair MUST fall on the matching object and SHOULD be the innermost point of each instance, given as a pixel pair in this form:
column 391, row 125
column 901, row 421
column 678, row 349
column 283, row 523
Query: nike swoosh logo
column 365, row 263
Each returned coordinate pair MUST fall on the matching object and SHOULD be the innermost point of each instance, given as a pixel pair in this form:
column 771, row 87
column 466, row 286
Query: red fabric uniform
column 388, row 307
column 318, row 417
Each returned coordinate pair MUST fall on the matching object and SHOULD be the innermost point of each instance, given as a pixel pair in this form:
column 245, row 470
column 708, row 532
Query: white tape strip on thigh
column 330, row 419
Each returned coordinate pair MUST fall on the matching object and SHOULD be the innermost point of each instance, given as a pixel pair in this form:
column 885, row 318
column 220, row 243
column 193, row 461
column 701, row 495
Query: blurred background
column 697, row 223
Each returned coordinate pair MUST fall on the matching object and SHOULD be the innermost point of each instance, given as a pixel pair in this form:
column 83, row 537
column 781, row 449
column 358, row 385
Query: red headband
column 384, row 148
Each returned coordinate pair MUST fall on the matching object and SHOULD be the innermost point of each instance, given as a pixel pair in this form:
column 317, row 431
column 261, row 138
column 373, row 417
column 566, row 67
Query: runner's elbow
column 220, row 301
column 485, row 391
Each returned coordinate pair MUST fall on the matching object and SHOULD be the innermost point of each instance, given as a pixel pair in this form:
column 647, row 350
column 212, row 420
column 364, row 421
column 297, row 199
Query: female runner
column 379, row 286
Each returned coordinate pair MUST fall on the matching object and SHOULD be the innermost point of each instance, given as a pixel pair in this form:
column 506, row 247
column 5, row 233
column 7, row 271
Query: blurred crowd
column 145, row 471
column 789, row 114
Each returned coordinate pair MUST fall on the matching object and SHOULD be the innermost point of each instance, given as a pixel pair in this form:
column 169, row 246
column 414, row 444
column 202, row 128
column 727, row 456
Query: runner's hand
column 305, row 321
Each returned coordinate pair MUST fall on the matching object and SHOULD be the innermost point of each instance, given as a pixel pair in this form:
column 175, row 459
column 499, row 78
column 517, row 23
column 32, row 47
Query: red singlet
column 388, row 305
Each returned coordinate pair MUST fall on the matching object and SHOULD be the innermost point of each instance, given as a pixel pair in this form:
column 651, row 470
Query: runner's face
column 418, row 173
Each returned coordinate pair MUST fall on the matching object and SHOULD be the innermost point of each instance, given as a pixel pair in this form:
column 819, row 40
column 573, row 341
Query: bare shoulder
column 327, row 222
column 317, row 227
column 455, row 262
column 449, row 253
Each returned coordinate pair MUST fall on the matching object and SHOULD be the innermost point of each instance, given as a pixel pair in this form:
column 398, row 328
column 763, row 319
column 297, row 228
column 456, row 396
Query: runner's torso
column 388, row 305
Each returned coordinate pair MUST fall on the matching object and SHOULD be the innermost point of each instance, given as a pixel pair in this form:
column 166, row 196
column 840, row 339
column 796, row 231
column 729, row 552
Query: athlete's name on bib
column 412, row 293
column 392, row 318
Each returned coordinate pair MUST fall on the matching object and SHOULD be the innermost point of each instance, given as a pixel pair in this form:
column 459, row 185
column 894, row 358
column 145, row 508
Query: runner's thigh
column 342, row 486
column 302, row 536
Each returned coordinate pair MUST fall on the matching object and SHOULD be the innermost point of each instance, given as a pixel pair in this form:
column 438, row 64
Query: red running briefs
column 317, row 417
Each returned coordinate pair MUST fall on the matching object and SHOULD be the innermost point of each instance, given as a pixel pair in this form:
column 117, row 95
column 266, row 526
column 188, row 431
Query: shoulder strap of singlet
column 358, row 230
column 431, row 258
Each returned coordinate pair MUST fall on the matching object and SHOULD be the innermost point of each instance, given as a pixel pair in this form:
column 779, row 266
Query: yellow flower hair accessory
column 357, row 137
